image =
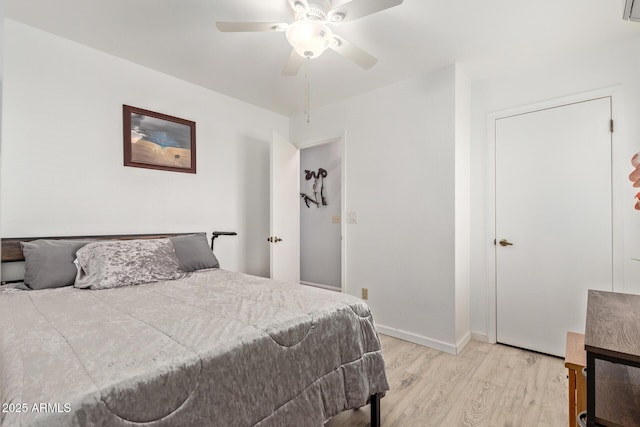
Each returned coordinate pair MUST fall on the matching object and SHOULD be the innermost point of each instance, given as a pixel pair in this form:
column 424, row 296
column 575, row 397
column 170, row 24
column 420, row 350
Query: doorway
column 321, row 183
column 553, row 220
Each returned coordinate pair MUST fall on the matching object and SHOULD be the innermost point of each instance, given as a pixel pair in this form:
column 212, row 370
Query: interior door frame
column 617, row 190
column 339, row 136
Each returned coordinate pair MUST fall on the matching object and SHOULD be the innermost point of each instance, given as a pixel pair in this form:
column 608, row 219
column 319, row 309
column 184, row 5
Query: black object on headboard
column 216, row 234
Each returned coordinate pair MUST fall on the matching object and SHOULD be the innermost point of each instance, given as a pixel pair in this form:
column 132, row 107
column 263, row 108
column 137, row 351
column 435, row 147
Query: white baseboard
column 478, row 336
column 418, row 339
column 463, row 342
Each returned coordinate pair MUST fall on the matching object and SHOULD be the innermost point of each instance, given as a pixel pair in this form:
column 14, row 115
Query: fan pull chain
column 306, row 90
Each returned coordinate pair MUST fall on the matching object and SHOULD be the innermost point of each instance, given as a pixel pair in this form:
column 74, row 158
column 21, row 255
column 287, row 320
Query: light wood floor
column 485, row 385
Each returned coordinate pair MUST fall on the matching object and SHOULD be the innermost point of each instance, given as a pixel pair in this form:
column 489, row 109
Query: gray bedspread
column 215, row 349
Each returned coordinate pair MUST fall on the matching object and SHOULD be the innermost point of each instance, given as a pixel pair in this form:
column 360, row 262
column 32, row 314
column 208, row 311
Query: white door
column 285, row 210
column 553, row 204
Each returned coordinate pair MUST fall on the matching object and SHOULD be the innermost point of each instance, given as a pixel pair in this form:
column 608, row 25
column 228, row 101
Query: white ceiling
column 179, row 37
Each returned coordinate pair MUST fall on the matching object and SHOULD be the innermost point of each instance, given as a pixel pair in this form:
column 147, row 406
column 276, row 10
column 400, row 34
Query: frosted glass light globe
column 309, row 37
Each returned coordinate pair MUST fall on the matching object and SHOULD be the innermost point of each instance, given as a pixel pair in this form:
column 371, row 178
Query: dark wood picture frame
column 158, row 141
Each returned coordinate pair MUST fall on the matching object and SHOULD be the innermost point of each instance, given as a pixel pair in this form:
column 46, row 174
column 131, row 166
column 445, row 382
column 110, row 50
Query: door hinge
column 611, row 126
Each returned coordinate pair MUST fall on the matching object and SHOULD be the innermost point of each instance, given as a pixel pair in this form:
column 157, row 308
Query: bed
column 210, row 348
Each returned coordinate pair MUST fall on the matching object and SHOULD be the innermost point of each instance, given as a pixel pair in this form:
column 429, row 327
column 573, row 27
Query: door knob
column 505, row 242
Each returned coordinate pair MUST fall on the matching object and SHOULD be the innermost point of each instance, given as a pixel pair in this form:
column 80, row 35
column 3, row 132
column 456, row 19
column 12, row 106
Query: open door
column 284, row 238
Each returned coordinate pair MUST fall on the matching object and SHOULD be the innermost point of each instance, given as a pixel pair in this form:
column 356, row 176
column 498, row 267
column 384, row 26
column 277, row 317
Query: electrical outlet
column 365, row 293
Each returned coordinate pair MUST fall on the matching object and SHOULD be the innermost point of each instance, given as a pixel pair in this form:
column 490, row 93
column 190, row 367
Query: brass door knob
column 505, row 242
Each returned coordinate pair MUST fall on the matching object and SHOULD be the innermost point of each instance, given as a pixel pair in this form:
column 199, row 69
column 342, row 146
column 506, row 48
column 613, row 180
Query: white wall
column 400, row 174
column 618, row 64
column 1, row 85
column 463, row 207
column 320, row 237
column 62, row 160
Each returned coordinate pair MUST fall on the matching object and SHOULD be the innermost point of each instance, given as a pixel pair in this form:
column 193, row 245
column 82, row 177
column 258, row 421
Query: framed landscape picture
column 158, row 141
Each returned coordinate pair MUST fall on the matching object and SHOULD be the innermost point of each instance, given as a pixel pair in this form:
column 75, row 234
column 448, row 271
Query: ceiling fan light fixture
column 298, row 6
column 336, row 18
column 309, row 37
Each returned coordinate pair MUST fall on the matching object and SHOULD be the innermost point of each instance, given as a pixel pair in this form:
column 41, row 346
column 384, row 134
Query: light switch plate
column 352, row 217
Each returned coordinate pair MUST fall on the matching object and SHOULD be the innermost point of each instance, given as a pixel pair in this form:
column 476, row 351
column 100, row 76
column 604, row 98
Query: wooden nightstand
column 575, row 359
column 612, row 342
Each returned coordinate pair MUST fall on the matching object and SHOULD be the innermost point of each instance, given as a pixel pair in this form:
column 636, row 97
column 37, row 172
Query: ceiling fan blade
column 352, row 52
column 358, row 8
column 299, row 5
column 293, row 64
column 232, row 27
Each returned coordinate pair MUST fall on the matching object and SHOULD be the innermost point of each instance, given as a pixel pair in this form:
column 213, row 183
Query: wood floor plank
column 475, row 406
column 485, row 385
column 554, row 404
column 446, row 384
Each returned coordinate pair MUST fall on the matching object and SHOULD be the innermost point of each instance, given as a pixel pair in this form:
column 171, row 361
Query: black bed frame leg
column 375, row 410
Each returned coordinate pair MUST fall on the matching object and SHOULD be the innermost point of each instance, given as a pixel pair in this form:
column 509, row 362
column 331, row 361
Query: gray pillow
column 193, row 252
column 116, row 263
column 49, row 263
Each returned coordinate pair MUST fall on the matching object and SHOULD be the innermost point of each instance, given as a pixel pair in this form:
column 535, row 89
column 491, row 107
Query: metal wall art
column 321, row 175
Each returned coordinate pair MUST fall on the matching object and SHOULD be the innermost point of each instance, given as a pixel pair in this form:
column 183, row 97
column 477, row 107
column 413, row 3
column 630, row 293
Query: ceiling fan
column 309, row 33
